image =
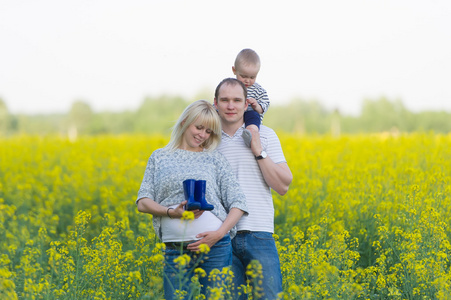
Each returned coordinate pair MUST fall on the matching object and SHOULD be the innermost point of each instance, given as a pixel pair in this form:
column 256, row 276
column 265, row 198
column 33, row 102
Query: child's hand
column 252, row 102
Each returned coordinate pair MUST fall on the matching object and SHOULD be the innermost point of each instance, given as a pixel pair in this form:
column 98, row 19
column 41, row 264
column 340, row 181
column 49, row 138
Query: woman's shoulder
column 164, row 153
column 219, row 159
column 157, row 152
column 215, row 154
column 160, row 153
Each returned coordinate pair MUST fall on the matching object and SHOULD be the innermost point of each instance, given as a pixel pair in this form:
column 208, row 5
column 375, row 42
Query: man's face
column 231, row 104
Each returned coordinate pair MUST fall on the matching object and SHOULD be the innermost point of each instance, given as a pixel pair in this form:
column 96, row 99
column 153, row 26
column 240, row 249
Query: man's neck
column 231, row 129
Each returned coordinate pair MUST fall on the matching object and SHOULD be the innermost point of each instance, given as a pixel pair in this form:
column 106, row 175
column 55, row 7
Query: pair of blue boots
column 195, row 195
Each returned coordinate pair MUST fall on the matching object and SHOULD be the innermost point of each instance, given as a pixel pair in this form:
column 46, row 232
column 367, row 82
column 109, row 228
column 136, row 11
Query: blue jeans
column 176, row 278
column 260, row 246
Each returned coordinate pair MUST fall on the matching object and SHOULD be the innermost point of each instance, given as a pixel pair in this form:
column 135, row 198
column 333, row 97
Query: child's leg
column 251, row 117
column 252, row 123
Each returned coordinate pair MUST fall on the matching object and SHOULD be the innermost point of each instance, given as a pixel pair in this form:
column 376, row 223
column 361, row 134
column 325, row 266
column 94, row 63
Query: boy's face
column 247, row 74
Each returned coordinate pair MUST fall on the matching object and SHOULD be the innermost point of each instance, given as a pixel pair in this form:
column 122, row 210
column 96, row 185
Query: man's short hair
column 232, row 82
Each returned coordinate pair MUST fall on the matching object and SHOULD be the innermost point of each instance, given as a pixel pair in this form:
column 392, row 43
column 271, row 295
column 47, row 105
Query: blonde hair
column 247, row 57
column 205, row 113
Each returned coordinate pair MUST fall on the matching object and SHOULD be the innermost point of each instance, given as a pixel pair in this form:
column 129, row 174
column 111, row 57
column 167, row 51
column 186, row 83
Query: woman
column 189, row 155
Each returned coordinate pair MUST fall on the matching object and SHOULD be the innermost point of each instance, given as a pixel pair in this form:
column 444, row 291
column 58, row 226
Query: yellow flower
column 203, row 248
column 188, row 215
column 182, row 260
column 157, row 258
column 200, row 272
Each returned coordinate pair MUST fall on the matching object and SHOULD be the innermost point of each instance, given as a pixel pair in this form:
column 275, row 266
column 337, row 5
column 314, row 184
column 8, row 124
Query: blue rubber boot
column 188, row 188
column 199, row 195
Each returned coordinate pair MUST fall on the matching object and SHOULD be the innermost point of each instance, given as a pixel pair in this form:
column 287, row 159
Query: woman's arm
column 147, row 205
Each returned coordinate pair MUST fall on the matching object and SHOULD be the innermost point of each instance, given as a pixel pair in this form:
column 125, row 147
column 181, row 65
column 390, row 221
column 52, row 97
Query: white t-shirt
column 245, row 166
column 177, row 230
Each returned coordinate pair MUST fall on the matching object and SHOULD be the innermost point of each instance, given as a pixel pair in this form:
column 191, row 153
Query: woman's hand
column 209, row 237
column 212, row 237
column 147, row 205
column 177, row 213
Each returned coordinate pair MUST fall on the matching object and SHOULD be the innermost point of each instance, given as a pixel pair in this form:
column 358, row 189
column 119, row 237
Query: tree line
column 158, row 114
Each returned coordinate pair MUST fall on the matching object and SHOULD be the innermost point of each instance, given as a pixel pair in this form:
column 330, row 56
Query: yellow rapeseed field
column 366, row 217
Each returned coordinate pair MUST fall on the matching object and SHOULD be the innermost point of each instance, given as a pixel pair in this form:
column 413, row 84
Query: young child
column 246, row 68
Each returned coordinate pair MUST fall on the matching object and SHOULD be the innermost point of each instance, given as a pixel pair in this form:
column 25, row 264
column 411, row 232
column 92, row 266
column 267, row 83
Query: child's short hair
column 247, row 57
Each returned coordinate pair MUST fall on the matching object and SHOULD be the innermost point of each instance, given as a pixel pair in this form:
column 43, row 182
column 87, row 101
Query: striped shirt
column 257, row 92
column 258, row 193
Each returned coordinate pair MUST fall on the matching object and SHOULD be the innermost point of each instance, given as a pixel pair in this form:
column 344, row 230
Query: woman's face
column 195, row 135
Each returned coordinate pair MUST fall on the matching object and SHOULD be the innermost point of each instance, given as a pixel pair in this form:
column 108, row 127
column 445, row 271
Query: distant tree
column 382, row 115
column 158, row 115
column 434, row 121
column 41, row 124
column 335, row 126
column 115, row 122
column 298, row 116
column 98, row 125
column 5, row 119
column 205, row 93
column 80, row 118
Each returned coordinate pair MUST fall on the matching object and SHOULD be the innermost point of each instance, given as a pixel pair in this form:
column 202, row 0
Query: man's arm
column 277, row 176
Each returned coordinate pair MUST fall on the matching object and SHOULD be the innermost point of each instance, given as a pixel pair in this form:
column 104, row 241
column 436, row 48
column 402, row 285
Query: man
column 259, row 169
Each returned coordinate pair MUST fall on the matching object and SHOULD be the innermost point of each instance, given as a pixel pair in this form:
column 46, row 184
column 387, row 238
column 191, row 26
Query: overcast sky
column 112, row 54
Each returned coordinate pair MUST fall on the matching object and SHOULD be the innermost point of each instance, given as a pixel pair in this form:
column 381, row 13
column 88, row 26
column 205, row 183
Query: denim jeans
column 260, row 246
column 176, row 278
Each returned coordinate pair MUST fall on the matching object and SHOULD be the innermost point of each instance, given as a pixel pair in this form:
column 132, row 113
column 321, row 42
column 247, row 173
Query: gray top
column 166, row 170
